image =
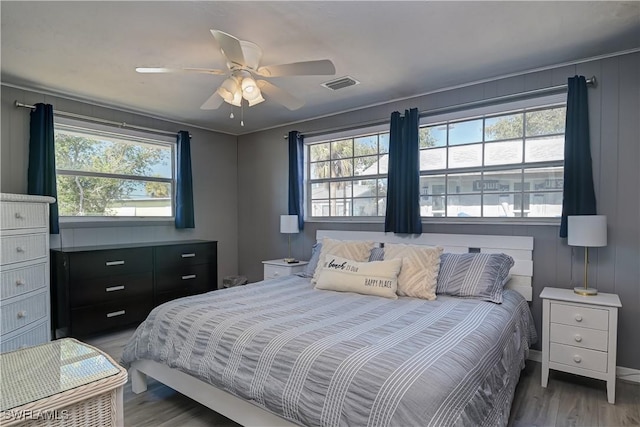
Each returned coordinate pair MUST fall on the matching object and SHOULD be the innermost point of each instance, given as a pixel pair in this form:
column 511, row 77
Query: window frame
column 462, row 114
column 126, row 134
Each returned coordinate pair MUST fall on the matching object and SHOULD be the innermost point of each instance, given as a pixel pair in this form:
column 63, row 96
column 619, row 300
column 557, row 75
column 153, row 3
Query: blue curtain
column 403, row 191
column 184, row 183
column 296, row 169
column 578, row 197
column 41, row 175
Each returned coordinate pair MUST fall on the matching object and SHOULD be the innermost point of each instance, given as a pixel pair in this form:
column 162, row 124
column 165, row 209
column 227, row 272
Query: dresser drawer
column 187, row 254
column 191, row 278
column 17, row 215
column 19, row 281
column 275, row 271
column 109, row 262
column 23, row 311
column 23, row 247
column 110, row 288
column 576, row 315
column 579, row 337
column 90, row 320
column 34, row 334
column 578, row 357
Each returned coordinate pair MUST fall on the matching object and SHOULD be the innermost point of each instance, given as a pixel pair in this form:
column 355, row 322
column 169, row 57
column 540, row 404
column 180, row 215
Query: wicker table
column 61, row 383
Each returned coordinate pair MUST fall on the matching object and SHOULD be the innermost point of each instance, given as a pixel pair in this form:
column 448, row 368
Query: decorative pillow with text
column 350, row 249
column 378, row 278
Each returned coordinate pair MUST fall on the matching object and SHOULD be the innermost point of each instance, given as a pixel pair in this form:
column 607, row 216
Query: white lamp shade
column 289, row 224
column 587, row 230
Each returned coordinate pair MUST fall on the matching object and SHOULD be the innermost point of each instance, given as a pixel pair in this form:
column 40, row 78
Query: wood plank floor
column 569, row 400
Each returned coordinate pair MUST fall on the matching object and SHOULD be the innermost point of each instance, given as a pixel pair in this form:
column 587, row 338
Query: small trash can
column 231, row 281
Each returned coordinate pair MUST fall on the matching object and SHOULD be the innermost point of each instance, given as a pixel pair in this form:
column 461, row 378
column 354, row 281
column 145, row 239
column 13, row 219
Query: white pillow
column 378, row 278
column 420, row 265
column 351, row 249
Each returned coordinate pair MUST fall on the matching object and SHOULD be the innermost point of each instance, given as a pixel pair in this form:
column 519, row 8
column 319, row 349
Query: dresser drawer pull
column 114, row 288
column 20, row 282
column 577, row 359
column 22, row 314
column 577, row 337
column 116, row 313
column 19, row 215
column 188, row 255
column 578, row 318
column 19, row 249
column 110, row 263
column 189, row 276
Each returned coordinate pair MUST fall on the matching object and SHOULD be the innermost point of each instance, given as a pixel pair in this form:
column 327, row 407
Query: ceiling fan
column 243, row 63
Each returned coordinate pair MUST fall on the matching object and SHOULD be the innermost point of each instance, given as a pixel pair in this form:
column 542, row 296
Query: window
column 100, row 173
column 348, row 176
column 501, row 165
column 492, row 162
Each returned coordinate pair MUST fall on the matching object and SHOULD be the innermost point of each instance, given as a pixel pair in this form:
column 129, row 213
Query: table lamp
column 589, row 231
column 289, row 225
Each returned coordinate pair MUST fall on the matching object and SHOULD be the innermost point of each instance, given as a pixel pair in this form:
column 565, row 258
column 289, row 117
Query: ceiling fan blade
column 280, row 95
column 230, row 47
column 322, row 67
column 213, row 102
column 181, row 70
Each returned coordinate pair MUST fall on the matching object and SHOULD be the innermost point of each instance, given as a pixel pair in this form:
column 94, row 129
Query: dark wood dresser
column 101, row 288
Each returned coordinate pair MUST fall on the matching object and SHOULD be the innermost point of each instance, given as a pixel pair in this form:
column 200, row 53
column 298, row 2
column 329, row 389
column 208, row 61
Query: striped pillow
column 478, row 275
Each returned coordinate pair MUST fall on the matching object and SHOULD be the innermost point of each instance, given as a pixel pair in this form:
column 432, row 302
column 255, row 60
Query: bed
column 280, row 352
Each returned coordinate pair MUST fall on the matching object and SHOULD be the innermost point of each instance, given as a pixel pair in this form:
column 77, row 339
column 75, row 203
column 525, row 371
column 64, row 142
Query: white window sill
column 448, row 221
column 99, row 222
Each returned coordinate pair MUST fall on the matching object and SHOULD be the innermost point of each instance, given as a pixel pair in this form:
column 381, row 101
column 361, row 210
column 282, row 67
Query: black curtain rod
column 103, row 121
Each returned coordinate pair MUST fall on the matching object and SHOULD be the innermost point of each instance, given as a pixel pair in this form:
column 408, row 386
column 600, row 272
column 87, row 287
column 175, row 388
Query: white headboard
column 520, row 248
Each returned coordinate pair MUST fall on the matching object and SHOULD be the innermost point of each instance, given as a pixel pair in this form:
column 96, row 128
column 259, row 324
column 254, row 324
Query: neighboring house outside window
column 104, row 173
column 503, row 161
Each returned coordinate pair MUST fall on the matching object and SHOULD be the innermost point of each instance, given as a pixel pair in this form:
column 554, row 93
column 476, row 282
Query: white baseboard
column 628, row 374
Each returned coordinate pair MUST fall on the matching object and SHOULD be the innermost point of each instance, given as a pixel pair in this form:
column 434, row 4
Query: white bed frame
column 248, row 414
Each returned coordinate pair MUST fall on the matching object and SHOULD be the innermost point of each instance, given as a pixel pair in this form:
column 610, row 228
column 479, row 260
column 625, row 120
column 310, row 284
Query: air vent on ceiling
column 341, row 83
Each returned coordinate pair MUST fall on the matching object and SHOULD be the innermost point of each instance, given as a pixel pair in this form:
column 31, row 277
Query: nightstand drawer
column 578, row 357
column 579, row 337
column 576, row 315
column 275, row 271
column 22, row 311
column 18, row 215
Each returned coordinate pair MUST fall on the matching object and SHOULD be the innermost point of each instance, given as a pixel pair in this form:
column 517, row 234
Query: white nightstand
column 579, row 335
column 278, row 268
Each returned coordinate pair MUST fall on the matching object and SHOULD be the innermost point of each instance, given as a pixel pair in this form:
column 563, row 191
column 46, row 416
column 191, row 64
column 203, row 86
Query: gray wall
column 614, row 123
column 214, row 165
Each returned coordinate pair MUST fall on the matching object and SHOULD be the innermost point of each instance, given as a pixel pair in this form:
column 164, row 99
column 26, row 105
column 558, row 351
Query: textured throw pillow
column 350, row 249
column 477, row 275
column 378, row 278
column 313, row 261
column 377, row 254
column 420, row 265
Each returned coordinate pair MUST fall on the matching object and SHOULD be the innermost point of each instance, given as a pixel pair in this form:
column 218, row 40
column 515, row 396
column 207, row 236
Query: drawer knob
column 578, row 318
column 577, row 359
column 20, row 282
column 577, row 337
column 22, row 314
column 191, row 255
column 189, row 276
column 276, row 274
column 19, row 215
column 19, row 249
column 112, row 263
column 114, row 288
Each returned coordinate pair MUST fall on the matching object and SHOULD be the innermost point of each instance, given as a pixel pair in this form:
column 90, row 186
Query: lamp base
column 585, row 291
column 290, row 260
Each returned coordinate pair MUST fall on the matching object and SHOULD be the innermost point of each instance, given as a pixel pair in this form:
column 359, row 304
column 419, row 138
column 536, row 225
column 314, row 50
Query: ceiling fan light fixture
column 257, row 100
column 228, row 89
column 248, row 86
column 237, row 98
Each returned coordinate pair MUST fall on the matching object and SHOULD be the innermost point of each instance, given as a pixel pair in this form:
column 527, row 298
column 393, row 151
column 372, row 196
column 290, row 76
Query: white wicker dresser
column 25, row 313
column 61, row 383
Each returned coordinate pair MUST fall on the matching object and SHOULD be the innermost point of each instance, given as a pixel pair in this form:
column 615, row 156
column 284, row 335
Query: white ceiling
column 89, row 50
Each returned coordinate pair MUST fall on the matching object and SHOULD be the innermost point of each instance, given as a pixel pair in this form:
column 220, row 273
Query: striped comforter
column 324, row 358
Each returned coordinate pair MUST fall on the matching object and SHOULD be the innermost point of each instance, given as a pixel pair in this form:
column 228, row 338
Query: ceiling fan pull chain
column 242, row 114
